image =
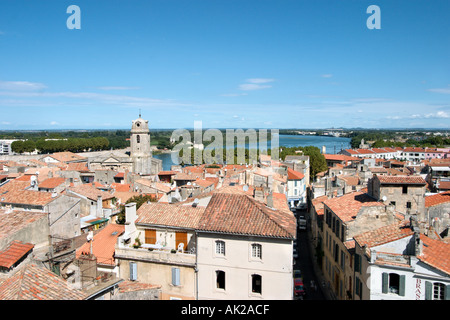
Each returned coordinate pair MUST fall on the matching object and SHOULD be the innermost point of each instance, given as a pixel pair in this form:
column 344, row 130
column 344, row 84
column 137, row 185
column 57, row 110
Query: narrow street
column 305, row 264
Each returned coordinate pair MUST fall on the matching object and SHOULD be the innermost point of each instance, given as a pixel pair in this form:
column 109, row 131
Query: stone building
column 140, row 160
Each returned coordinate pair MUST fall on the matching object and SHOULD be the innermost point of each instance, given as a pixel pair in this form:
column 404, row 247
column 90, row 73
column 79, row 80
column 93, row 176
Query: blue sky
column 227, row 63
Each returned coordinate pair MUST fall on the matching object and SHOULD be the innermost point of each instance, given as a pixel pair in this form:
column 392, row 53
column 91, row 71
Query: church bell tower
column 141, row 153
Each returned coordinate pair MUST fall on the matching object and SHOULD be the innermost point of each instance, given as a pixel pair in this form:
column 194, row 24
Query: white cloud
column 253, row 86
column 328, row 75
column 256, row 84
column 21, row 86
column 53, row 123
column 441, row 90
column 260, row 80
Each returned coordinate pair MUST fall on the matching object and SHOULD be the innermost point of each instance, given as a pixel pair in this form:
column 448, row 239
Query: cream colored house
column 235, row 247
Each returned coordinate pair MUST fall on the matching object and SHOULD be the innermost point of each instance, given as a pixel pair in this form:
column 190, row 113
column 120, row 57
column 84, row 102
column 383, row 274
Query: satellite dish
column 90, row 236
column 195, row 203
column 245, row 188
column 384, row 198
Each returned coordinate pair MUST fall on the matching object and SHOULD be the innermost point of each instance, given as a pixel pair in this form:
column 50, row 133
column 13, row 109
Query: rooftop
column 347, row 206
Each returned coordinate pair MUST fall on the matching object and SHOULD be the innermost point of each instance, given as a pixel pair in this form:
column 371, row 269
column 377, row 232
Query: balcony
column 150, row 255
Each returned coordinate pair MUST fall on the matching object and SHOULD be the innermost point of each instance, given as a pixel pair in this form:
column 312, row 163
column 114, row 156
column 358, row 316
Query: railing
column 166, row 256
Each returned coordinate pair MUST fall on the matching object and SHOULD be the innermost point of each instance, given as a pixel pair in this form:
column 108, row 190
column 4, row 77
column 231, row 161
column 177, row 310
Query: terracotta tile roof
column 16, row 220
column 436, row 253
column 131, row 286
column 36, row 198
column 294, row 175
column 241, row 214
column 90, row 192
column 347, row 206
column 349, row 180
column 15, row 251
column 121, row 187
column 77, row 166
column 444, row 185
column 437, row 199
column 386, row 234
column 166, row 173
column 124, row 196
column 37, row 283
column 236, row 189
column 186, row 176
column 384, row 179
column 156, row 185
column 203, row 183
column 14, row 185
column 103, row 245
column 51, row 183
column 339, row 157
column 65, row 156
column 163, row 214
column 413, row 149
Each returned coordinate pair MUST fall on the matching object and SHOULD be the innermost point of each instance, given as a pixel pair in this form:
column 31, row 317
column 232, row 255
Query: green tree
column 139, row 200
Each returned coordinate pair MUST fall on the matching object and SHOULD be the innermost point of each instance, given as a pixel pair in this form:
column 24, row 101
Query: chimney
column 99, row 207
column 130, row 218
column 258, row 194
column 270, row 200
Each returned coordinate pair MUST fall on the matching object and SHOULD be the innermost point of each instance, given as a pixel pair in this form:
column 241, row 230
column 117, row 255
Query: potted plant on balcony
column 137, row 243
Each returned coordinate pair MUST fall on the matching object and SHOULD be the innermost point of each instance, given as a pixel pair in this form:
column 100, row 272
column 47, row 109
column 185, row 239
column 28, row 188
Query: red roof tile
column 294, row 175
column 37, row 283
column 103, row 245
column 401, row 179
column 14, row 253
column 347, row 206
column 51, row 183
column 241, row 214
column 436, row 253
column 386, row 234
column 437, row 199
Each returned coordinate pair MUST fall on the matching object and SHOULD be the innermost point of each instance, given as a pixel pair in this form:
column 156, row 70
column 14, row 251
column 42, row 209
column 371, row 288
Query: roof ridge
column 260, row 207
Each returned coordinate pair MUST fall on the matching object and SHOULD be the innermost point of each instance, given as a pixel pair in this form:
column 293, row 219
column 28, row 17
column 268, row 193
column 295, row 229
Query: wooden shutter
column 181, row 237
column 401, row 289
column 385, row 282
column 447, row 292
column 428, row 290
column 150, row 236
column 357, row 263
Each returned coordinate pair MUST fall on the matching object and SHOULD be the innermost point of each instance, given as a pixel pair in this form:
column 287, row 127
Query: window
column 220, row 247
column 408, row 205
column 393, row 283
column 150, row 236
column 181, row 237
column 220, row 279
column 175, row 276
column 133, row 271
column 256, row 283
column 256, row 251
column 438, row 291
column 404, row 189
column 138, row 139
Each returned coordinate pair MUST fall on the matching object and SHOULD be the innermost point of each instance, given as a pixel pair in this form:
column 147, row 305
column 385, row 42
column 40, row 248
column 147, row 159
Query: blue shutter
column 428, row 290
column 175, row 276
column 385, row 282
column 401, row 288
column 133, row 271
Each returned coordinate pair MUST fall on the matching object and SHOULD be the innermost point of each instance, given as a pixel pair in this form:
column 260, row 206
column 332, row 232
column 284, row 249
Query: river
column 332, row 145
